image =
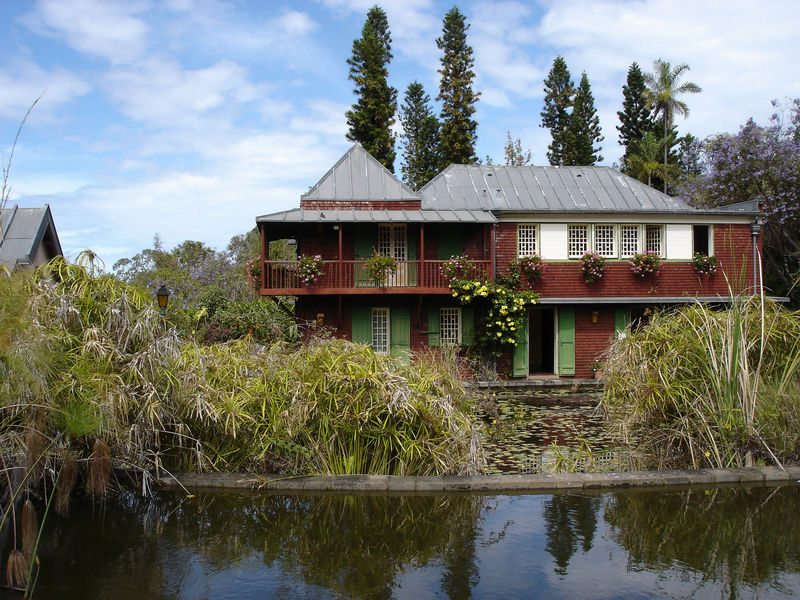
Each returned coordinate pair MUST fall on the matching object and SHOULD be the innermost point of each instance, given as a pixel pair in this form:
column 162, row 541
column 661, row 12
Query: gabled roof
column 359, row 176
column 546, row 190
column 23, row 231
column 299, row 215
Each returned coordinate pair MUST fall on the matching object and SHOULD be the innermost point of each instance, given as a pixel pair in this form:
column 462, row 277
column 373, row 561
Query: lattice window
column 604, row 240
column 628, row 240
column 526, row 240
column 578, row 240
column 450, row 326
column 392, row 241
column 654, row 239
column 380, row 329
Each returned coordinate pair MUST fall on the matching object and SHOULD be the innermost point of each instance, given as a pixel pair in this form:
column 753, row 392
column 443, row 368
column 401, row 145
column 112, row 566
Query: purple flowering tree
column 758, row 163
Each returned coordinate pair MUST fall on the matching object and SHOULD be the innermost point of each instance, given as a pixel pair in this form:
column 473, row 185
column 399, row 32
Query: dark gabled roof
column 359, row 176
column 299, row 215
column 23, row 231
column 547, row 190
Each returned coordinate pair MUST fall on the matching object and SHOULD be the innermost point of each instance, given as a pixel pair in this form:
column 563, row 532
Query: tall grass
column 705, row 387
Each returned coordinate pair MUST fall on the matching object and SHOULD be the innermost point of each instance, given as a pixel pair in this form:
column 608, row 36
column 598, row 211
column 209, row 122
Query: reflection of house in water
column 28, row 237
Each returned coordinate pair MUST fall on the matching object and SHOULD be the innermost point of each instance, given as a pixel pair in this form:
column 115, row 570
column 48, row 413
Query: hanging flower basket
column 592, row 266
column 309, row 268
column 531, row 267
column 704, row 264
column 378, row 267
column 645, row 264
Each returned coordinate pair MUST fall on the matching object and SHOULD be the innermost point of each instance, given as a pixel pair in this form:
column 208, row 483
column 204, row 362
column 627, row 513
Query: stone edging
column 485, row 483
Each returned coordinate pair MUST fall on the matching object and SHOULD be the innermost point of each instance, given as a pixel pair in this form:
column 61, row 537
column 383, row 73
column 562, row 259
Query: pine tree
column 635, row 117
column 371, row 118
column 559, row 92
column 457, row 130
column 420, row 137
column 515, row 155
column 584, row 128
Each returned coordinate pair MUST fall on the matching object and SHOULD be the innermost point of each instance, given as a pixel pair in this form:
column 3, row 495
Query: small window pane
column 578, row 240
column 604, row 240
column 654, row 239
column 628, row 240
column 380, row 329
column 450, row 326
column 526, row 240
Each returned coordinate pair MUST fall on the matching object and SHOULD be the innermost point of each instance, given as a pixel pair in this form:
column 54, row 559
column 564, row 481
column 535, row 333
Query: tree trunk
column 666, row 150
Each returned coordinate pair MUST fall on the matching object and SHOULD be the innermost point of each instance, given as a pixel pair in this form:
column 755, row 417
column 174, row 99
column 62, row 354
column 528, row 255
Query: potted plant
column 379, row 266
column 309, row 268
column 592, row 266
column 531, row 266
column 597, row 369
column 704, row 264
column 645, row 264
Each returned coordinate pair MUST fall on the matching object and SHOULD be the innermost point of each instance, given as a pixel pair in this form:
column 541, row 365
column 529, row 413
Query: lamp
column 595, row 316
column 162, row 294
column 320, row 319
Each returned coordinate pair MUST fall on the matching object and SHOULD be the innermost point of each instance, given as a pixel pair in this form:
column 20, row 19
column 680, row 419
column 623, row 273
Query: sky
column 186, row 119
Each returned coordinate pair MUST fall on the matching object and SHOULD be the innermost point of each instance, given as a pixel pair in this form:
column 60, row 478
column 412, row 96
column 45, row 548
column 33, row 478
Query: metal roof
column 23, row 231
column 359, row 176
column 548, row 190
column 299, row 215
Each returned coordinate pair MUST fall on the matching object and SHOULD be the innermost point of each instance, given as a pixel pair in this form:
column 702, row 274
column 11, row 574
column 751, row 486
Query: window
column 380, row 329
column 577, row 240
column 701, row 239
column 450, row 326
column 604, row 240
column 628, row 240
column 526, row 240
column 392, row 241
column 654, row 239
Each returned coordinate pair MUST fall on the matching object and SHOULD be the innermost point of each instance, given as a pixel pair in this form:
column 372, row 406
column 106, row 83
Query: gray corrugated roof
column 545, row 189
column 23, row 231
column 358, row 176
column 299, row 215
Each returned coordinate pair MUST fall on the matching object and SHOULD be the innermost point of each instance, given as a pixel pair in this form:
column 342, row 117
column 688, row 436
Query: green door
column 451, row 241
column 361, row 325
column 622, row 318
column 566, row 341
column 364, row 241
column 400, row 334
column 520, row 356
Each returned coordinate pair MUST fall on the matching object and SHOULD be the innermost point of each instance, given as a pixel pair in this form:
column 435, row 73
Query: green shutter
column 412, row 235
column 520, row 356
column 400, row 333
column 622, row 318
column 451, row 241
column 467, row 326
column 566, row 341
column 362, row 325
column 433, row 327
column 365, row 239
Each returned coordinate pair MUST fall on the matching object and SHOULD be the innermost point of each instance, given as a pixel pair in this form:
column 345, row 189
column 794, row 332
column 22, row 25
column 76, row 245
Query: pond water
column 724, row 542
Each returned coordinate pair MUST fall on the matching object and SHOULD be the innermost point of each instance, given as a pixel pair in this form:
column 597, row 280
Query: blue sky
column 188, row 118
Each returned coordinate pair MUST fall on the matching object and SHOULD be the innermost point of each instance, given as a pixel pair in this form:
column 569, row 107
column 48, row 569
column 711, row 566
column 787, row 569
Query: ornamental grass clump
column 592, row 266
column 645, row 264
column 700, row 387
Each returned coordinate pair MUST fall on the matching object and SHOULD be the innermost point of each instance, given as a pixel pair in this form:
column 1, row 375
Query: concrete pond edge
column 485, row 483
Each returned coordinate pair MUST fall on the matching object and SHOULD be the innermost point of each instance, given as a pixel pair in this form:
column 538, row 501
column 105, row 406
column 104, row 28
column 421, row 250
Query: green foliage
column 515, row 155
column 584, row 128
column 592, row 266
column 644, row 159
column 378, row 267
column 635, row 117
column 701, row 387
column 420, row 137
column 559, row 92
column 704, row 264
column 371, row 118
column 532, row 268
column 645, row 264
column 457, row 130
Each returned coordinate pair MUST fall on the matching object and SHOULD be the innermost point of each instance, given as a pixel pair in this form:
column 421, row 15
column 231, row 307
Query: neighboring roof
column 548, row 190
column 23, row 231
column 359, row 176
column 299, row 215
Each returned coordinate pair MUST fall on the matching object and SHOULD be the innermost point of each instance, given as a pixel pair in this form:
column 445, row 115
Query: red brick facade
column 361, row 205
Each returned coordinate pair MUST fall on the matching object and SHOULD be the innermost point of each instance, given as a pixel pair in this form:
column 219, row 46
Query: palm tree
column 662, row 94
column 644, row 161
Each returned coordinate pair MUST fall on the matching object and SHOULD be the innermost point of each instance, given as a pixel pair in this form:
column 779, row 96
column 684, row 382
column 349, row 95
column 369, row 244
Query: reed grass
column 709, row 387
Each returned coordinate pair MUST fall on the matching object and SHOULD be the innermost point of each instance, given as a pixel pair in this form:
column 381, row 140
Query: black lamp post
column 162, row 294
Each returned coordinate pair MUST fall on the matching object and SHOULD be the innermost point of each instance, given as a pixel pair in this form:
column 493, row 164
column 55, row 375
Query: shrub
column 592, row 266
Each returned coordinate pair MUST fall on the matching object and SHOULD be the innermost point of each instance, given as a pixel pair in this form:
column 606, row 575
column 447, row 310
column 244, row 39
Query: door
column 520, row 354
column 400, row 334
column 566, row 341
column 392, row 242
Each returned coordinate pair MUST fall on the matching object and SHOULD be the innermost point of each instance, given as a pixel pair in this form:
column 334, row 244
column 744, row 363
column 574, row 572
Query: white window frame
column 450, row 326
column 377, row 315
column 527, row 240
column 606, row 248
column 648, row 247
column 628, row 246
column 575, row 246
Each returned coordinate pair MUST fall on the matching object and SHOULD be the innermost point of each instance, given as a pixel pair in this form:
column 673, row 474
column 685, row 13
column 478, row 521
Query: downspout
column 494, row 252
column 755, row 228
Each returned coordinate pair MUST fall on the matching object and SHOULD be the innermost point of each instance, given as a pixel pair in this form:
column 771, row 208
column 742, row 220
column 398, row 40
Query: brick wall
column 361, row 204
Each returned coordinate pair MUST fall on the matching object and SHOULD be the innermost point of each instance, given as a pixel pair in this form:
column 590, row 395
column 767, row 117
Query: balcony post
column 339, row 282
column 421, row 277
column 264, row 255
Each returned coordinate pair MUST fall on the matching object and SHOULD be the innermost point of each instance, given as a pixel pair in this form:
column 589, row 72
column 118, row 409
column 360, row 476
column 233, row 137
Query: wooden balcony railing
column 349, row 276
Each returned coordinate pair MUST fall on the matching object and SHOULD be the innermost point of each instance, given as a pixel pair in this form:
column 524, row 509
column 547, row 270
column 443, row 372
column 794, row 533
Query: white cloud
column 101, row 28
column 23, row 81
column 295, row 23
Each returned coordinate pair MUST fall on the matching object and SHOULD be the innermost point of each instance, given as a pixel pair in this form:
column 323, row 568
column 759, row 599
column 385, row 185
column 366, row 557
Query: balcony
column 349, row 277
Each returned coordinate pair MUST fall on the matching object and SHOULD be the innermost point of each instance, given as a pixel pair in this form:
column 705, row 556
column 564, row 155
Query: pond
column 723, row 542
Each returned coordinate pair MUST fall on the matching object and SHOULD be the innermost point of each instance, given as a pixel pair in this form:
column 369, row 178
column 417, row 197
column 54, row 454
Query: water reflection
column 726, row 542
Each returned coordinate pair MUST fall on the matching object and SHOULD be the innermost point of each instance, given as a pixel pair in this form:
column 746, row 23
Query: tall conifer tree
column 584, row 128
column 420, row 137
column 371, row 118
column 457, row 130
column 635, row 117
column 559, row 92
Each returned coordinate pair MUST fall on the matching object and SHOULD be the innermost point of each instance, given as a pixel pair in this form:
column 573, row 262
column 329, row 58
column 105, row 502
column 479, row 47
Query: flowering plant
column 592, row 266
column 531, row 266
column 253, row 268
column 644, row 264
column 309, row 268
column 705, row 265
column 379, row 266
column 457, row 268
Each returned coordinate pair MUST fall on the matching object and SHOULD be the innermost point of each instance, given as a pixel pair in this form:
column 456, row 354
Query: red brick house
column 493, row 215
